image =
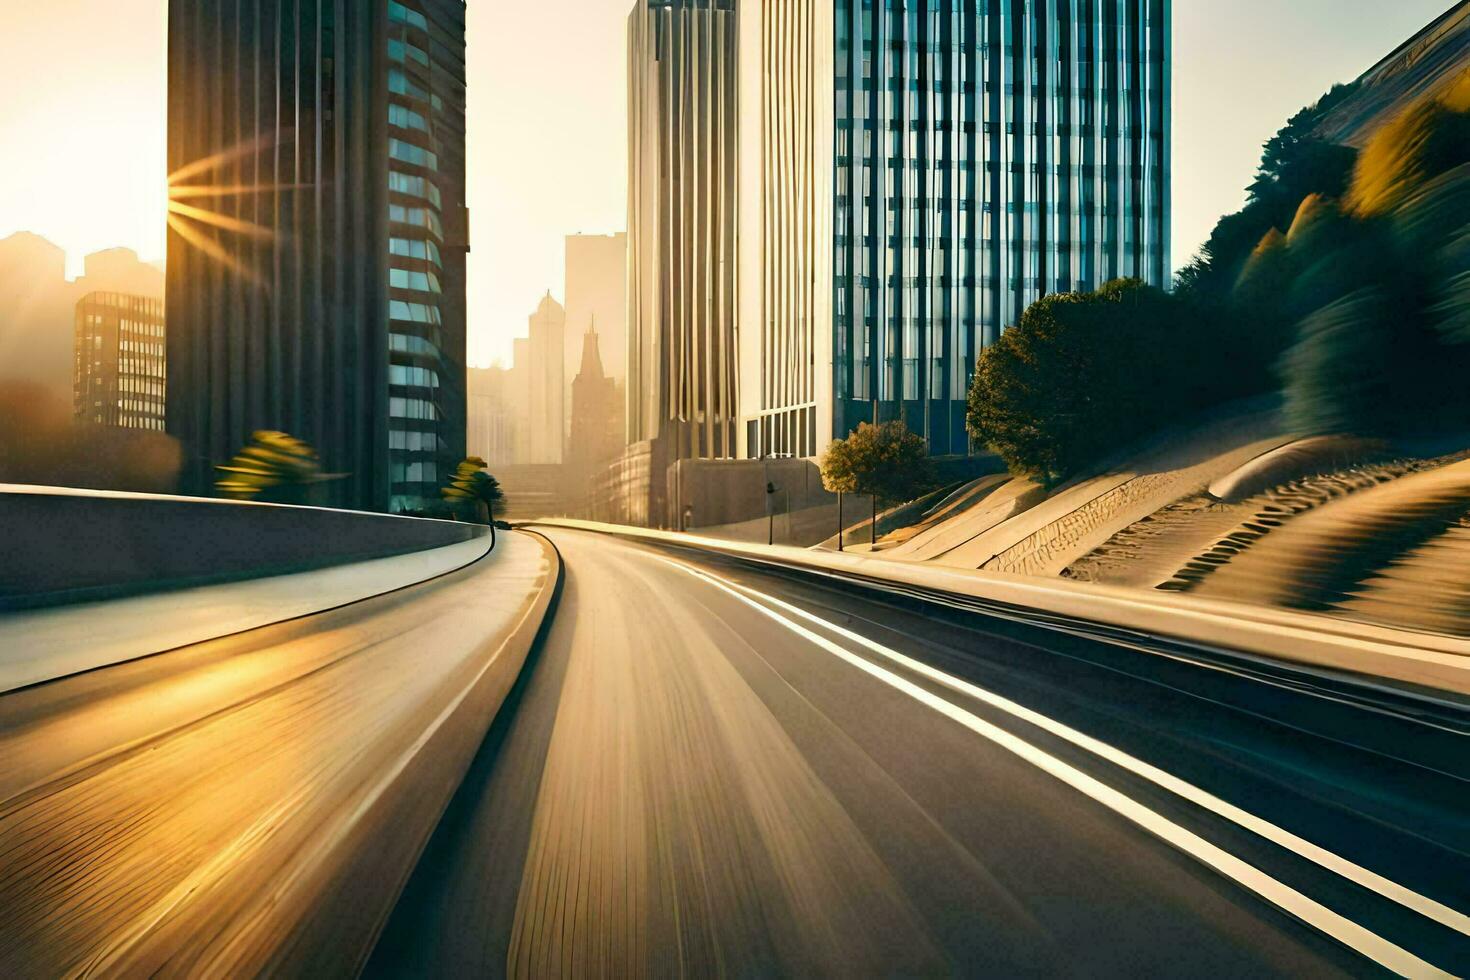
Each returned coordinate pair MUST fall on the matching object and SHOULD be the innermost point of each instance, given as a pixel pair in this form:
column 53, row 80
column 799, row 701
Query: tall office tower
column 682, row 126
column 119, row 361
column 317, row 237
column 596, row 292
column 983, row 153
column 519, row 385
column 545, row 378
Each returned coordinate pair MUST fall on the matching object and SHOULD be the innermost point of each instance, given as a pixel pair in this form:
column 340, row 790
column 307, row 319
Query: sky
column 82, row 123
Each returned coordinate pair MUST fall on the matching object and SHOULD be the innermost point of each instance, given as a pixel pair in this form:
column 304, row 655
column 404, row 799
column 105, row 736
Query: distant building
column 597, row 297
column 597, row 431
column 326, row 298
column 119, row 362
column 492, row 416
column 545, row 381
column 913, row 176
column 519, row 395
column 119, row 270
column 36, row 314
column 1421, row 66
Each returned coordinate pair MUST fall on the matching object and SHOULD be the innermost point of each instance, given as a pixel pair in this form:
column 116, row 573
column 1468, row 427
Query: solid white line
column 1344, row 930
column 1355, row 873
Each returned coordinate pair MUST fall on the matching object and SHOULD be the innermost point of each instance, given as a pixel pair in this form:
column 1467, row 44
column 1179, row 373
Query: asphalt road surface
column 252, row 804
column 715, row 768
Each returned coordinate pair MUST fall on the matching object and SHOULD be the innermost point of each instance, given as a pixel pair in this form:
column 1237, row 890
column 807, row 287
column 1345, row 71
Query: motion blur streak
column 686, row 786
column 1389, row 889
column 1345, row 930
column 251, row 804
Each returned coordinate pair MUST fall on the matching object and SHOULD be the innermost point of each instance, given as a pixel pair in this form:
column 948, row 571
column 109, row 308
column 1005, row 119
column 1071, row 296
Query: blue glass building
column 983, row 153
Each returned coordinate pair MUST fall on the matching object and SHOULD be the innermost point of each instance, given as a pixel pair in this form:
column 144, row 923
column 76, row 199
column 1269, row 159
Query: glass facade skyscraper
column 426, row 247
column 682, row 129
column 317, row 237
column 983, row 153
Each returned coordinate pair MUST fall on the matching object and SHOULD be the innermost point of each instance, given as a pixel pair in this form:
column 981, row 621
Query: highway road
column 713, row 767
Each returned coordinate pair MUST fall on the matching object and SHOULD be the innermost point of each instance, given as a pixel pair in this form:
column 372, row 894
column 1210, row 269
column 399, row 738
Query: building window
column 409, row 153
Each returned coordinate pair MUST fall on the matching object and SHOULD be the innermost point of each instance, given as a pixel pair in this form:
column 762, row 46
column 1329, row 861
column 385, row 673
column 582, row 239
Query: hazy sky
column 82, row 123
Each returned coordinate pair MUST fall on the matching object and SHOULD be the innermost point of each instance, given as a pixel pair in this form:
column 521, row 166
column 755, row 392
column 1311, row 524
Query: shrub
column 272, row 466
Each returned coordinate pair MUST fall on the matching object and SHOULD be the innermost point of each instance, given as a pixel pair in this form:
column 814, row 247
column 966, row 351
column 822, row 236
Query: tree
column 1083, row 374
column 886, row 462
column 1380, row 284
column 471, row 486
column 273, row 466
column 1294, row 163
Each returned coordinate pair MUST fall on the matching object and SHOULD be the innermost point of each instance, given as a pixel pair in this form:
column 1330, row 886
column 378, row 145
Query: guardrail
column 62, row 545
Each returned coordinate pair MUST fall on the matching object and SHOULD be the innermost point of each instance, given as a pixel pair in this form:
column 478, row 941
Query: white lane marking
column 1355, row 873
column 1344, row 930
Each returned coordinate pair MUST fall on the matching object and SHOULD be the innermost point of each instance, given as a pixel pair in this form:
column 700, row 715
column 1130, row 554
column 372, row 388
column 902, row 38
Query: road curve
column 712, row 769
column 252, row 804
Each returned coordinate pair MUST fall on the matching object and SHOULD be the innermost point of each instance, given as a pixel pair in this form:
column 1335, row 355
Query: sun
column 192, row 189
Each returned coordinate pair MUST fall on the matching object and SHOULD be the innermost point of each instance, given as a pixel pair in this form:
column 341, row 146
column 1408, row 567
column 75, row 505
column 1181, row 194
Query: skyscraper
column 317, row 237
column 682, row 127
column 545, row 379
column 119, row 361
column 1421, row 66
column 920, row 179
column 119, row 270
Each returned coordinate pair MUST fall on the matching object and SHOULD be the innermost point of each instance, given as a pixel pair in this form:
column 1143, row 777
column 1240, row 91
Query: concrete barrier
column 1429, row 661
column 61, row 545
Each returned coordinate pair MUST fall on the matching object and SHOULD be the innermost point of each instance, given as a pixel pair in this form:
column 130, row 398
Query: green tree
column 471, row 486
column 1084, row 374
column 272, row 466
column 1294, row 163
column 886, row 462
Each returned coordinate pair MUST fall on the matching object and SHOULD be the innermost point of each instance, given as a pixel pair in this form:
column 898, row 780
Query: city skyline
column 1275, row 59
column 893, row 546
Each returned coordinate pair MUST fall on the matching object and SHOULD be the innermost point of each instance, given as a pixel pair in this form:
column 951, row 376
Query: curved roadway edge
column 254, row 805
column 1366, row 653
column 337, row 901
column 44, row 644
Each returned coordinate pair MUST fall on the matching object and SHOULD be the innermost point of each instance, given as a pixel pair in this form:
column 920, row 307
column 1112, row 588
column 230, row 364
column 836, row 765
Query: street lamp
column 771, row 489
column 770, row 511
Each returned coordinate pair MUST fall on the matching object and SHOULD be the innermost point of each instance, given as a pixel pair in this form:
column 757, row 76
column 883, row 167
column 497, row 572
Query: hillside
column 1238, row 509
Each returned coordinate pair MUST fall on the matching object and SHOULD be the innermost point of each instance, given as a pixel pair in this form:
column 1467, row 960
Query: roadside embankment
column 1373, row 652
